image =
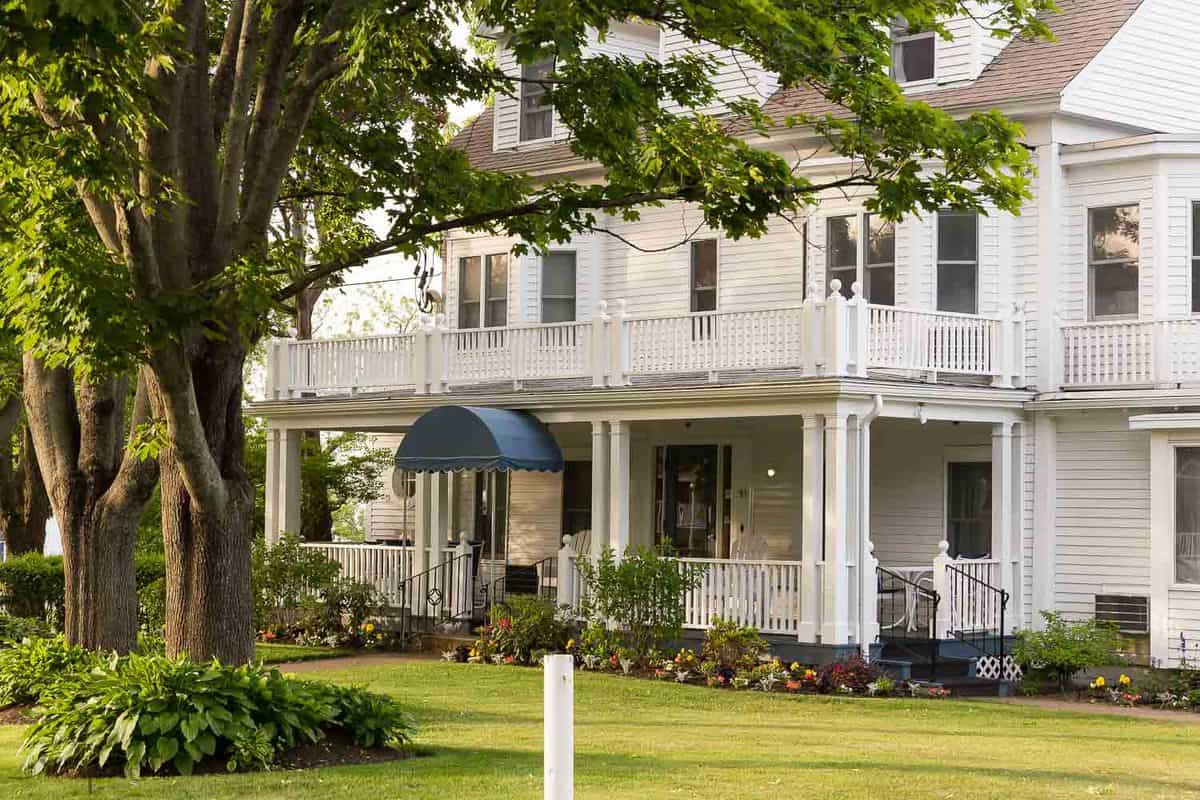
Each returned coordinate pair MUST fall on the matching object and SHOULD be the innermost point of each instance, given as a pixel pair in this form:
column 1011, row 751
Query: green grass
column 281, row 653
column 481, row 730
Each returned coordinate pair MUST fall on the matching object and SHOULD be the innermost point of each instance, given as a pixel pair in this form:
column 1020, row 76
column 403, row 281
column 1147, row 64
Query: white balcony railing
column 761, row 594
column 381, row 566
column 829, row 337
column 1129, row 353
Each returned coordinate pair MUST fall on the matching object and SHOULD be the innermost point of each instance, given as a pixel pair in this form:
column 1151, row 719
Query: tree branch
column 280, row 50
column 50, row 403
column 136, row 477
column 238, row 128
column 222, row 82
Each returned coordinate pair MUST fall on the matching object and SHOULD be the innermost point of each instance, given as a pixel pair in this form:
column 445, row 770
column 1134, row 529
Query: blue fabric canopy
column 474, row 438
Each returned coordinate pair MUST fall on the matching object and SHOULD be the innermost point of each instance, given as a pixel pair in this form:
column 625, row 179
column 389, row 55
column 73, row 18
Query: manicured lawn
column 282, row 653
column 481, row 729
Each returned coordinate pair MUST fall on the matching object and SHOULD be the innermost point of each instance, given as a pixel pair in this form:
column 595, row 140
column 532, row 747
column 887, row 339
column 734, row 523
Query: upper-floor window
column 537, row 116
column 872, row 264
column 483, row 291
column 1113, row 251
column 558, row 286
column 704, row 275
column 804, row 261
column 913, row 53
column 1196, row 258
column 958, row 261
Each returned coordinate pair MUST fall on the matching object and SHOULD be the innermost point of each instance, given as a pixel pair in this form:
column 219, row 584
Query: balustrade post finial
column 814, row 291
column 943, row 549
column 602, row 309
column 620, row 304
column 856, row 290
column 439, row 321
column 835, row 289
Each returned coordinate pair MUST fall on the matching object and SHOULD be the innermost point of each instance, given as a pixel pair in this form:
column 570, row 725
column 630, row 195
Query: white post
column 421, row 529
column 835, row 330
column 835, row 619
column 434, row 355
column 1002, row 354
column 600, row 498
column 1045, row 492
column 599, row 337
column 439, row 516
column 558, row 699
column 941, row 585
column 810, row 330
column 859, row 330
column 566, row 572
column 1003, row 487
column 1018, row 348
column 422, row 363
column 617, row 345
column 870, row 599
column 618, row 517
column 812, row 525
column 463, row 588
column 273, row 523
column 289, row 488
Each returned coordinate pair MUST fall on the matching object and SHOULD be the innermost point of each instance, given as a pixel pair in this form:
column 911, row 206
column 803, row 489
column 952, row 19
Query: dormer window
column 537, row 116
column 913, row 53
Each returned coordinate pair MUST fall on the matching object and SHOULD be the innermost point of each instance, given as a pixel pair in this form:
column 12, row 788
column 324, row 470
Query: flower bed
column 1177, row 690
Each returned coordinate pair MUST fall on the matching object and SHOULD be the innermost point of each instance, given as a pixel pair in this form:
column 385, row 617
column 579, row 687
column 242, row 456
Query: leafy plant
column 17, row 629
column 521, row 627
column 642, row 593
column 733, row 646
column 33, row 667
column 31, row 584
column 152, row 608
column 152, row 713
column 853, row 674
column 1064, row 648
column 283, row 575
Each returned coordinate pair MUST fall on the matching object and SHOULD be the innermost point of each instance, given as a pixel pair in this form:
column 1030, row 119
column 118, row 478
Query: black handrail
column 977, row 611
column 442, row 594
column 894, row 620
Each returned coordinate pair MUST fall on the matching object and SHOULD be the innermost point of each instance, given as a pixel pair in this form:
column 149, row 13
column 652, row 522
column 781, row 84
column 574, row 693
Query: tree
column 24, row 507
column 176, row 125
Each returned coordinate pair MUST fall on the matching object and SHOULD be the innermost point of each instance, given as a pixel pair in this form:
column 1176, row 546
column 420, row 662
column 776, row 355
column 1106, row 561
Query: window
column 913, row 53
column 491, row 516
column 483, row 296
column 1196, row 258
column 537, row 116
column 577, row 497
column 558, row 287
column 1113, row 261
column 804, row 261
column 969, row 509
column 880, row 277
column 843, row 252
column 704, row 275
column 958, row 262
column 1187, row 515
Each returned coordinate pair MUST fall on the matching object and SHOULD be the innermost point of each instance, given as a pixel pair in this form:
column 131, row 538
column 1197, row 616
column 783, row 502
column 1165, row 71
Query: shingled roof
column 1024, row 72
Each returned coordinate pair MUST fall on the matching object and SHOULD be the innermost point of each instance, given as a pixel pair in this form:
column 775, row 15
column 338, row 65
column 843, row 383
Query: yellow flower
column 379, row 637
column 795, row 666
column 1098, row 683
column 369, row 628
column 570, row 644
column 1124, row 680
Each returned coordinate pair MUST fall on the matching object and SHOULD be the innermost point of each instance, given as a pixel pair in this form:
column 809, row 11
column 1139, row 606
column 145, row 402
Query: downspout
column 867, row 616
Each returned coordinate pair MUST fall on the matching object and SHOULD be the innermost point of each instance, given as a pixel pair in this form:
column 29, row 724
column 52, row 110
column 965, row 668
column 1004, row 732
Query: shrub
column 642, row 593
column 522, row 627
column 732, row 646
column 1065, row 648
column 151, row 713
column 32, row 584
column 848, row 675
column 30, row 669
column 283, row 576
column 17, row 629
column 338, row 616
column 152, row 608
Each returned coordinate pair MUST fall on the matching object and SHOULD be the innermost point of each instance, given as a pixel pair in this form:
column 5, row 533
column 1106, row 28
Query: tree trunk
column 210, row 611
column 24, row 507
column 101, row 588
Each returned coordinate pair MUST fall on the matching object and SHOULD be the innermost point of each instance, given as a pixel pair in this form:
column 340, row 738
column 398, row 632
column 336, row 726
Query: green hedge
column 32, row 583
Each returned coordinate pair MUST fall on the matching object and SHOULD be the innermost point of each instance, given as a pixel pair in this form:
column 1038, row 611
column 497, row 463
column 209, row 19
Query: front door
column 491, row 517
column 969, row 509
column 687, row 497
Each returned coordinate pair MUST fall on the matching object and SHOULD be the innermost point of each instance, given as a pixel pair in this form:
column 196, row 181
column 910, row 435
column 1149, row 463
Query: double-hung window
column 872, row 263
column 558, row 286
column 969, row 509
column 958, row 261
column 1196, row 258
column 1187, row 515
column 537, row 115
column 483, row 291
column 704, row 275
column 914, row 53
column 1113, row 249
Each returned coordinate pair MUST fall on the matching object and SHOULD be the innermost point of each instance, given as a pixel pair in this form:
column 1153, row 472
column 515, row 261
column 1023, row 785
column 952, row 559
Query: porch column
column 282, row 499
column 835, row 623
column 1045, row 453
column 1003, row 489
column 600, row 498
column 271, row 510
column 421, row 528
column 812, row 525
column 439, row 515
column 618, row 485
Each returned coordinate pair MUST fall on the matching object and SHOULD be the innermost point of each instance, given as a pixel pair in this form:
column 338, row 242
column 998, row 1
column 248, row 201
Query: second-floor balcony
column 828, row 337
column 1129, row 353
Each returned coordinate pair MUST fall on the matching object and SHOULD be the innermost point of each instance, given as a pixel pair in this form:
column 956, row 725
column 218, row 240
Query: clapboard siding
column 1103, row 511
column 1147, row 75
column 389, row 516
column 535, row 520
column 736, row 76
column 1183, row 625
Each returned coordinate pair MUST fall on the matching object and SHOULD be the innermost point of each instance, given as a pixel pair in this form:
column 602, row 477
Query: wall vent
column 1130, row 613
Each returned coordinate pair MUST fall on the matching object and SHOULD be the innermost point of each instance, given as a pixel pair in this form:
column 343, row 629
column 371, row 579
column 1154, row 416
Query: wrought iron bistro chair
column 898, row 589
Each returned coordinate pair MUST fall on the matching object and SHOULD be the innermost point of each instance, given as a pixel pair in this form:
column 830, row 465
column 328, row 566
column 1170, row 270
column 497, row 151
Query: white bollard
column 558, row 700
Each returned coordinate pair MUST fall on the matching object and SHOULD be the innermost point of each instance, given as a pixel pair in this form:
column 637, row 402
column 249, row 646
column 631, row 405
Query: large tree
column 176, row 124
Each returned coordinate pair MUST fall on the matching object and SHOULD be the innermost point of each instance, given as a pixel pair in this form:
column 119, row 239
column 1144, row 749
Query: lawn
column 281, row 653
column 481, row 733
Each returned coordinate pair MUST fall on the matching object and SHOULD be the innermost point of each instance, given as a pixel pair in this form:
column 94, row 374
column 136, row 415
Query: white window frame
column 898, row 40
column 1088, row 264
column 962, row 454
column 521, row 140
column 543, row 297
column 715, row 288
column 861, row 249
column 1193, row 255
column 484, row 297
column 937, row 260
column 1175, row 446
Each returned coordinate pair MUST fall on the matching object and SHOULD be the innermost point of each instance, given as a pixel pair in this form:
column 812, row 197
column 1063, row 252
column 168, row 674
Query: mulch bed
column 16, row 715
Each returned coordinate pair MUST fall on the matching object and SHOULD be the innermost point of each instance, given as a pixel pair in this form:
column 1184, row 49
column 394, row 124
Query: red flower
column 793, row 686
column 508, row 659
column 505, row 624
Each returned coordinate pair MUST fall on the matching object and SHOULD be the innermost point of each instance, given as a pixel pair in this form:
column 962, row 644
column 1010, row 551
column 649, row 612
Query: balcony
column 1129, row 354
column 830, row 337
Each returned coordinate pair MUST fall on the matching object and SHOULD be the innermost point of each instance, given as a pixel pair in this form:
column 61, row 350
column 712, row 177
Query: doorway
column 688, row 500
column 491, row 515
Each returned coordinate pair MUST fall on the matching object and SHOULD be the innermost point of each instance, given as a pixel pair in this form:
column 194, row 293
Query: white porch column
column 868, row 597
column 600, row 498
column 1045, row 453
column 812, row 525
column 1016, row 606
column 835, row 623
column 1162, row 544
column 271, row 499
column 287, row 512
column 439, row 515
column 1003, row 491
column 618, row 486
column 423, row 501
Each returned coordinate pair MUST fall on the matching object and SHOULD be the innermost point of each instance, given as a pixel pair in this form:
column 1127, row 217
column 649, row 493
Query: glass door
column 491, row 517
column 686, row 497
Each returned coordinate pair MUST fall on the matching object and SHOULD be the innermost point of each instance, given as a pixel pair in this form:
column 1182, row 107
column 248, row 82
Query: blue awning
column 456, row 438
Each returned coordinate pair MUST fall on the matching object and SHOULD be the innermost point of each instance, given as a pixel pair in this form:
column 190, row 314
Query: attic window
column 913, row 53
column 537, row 116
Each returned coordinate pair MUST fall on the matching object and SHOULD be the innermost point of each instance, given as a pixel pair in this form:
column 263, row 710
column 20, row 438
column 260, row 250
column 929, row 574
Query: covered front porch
column 817, row 520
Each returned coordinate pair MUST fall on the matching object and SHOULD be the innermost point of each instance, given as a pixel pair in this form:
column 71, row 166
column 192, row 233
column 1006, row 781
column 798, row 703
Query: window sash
column 1096, row 264
column 1187, row 515
column 495, row 313
column 469, row 309
column 703, row 296
column 901, row 42
column 944, row 303
column 559, row 306
column 537, row 116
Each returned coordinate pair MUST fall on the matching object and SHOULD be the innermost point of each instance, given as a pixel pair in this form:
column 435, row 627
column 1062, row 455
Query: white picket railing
column 1130, row 352
column 381, row 566
column 482, row 355
column 353, row 363
column 714, row 341
column 764, row 594
column 935, row 341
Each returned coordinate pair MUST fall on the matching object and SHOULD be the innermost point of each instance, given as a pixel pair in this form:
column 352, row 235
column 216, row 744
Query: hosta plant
column 30, row 668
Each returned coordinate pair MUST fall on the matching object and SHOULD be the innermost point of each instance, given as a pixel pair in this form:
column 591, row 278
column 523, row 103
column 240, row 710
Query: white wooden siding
column 535, row 519
column 737, row 75
column 1102, row 541
column 1147, row 75
column 1183, row 624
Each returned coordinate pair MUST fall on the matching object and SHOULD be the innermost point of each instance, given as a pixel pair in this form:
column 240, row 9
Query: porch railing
column 829, row 336
column 441, row 597
column 381, row 566
column 976, row 609
column 1129, row 353
column 762, row 594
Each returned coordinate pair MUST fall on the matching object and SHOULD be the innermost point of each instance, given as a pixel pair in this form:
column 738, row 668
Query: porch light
column 770, row 472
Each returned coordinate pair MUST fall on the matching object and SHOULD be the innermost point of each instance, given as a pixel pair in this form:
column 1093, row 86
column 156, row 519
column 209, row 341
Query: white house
column 1002, row 412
